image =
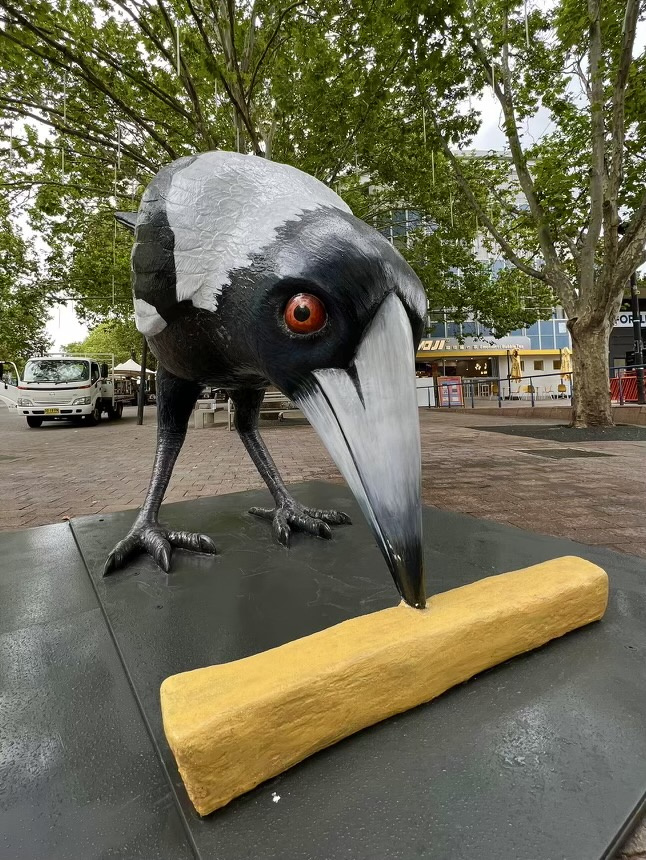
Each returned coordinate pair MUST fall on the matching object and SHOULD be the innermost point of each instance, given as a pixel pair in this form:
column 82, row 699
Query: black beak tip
column 409, row 580
column 416, row 599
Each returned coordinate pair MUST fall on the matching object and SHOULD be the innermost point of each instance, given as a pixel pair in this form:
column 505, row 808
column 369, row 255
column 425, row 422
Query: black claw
column 325, row 531
column 157, row 542
column 291, row 515
column 207, row 545
column 165, row 560
column 265, row 513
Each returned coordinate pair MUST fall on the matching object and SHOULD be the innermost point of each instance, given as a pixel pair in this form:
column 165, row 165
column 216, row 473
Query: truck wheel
column 94, row 417
column 34, row 422
column 117, row 412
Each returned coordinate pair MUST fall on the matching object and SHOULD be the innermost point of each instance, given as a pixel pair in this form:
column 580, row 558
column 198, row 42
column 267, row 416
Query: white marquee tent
column 131, row 368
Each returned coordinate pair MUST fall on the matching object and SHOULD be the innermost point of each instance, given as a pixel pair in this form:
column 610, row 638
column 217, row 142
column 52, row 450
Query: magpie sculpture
column 249, row 273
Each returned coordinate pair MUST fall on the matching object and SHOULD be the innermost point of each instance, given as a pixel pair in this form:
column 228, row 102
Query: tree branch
column 77, row 133
column 267, row 47
column 463, row 182
column 632, row 245
column 30, row 183
column 505, row 98
column 597, row 167
column 187, row 81
column 615, row 173
column 233, row 98
column 87, row 74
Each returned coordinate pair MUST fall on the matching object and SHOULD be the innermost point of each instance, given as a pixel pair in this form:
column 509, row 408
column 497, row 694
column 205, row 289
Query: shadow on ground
column 563, row 433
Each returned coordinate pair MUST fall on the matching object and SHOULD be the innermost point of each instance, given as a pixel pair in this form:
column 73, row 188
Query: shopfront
column 622, row 338
column 485, row 365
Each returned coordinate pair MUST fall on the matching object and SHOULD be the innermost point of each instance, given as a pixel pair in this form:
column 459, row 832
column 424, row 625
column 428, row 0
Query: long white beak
column 367, row 417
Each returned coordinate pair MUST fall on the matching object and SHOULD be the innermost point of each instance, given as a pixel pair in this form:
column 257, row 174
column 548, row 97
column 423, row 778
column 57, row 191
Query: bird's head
column 331, row 314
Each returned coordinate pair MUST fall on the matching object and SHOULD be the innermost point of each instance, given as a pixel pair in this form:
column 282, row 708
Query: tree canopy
column 318, row 85
column 23, row 306
column 377, row 88
column 120, row 337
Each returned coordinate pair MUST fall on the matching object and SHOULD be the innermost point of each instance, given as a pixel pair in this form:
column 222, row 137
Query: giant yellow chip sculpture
column 234, row 725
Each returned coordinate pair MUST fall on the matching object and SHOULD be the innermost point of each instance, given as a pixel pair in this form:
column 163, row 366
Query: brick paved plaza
column 62, row 471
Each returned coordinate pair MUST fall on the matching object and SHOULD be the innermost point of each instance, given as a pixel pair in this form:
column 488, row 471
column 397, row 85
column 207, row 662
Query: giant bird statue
column 249, row 273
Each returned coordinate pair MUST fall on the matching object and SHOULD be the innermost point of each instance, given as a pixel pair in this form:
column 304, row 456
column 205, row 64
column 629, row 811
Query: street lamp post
column 638, row 343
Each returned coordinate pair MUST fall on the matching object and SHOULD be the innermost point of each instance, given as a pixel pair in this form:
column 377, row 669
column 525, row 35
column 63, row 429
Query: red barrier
column 627, row 387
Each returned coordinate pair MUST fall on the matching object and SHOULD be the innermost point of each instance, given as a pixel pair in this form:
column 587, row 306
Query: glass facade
column 545, row 334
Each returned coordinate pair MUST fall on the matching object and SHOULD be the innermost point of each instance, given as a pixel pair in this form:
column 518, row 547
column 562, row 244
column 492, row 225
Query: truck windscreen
column 56, row 370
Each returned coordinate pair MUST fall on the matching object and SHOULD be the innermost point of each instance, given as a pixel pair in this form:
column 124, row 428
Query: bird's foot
column 290, row 514
column 157, row 541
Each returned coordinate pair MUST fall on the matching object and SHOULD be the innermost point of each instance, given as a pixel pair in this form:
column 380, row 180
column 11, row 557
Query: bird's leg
column 175, row 401
column 288, row 513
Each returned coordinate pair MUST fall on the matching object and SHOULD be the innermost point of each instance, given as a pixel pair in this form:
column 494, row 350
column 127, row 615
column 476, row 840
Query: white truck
column 64, row 387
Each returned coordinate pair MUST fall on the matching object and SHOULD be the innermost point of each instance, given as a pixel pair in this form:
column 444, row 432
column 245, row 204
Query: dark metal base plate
column 539, row 758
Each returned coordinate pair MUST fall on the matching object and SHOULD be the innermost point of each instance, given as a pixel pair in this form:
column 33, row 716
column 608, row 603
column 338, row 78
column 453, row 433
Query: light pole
column 142, row 381
column 638, row 343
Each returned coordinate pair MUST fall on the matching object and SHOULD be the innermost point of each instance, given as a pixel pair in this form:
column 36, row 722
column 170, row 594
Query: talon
column 291, row 515
column 324, row 530
column 162, row 557
column 335, row 518
column 157, row 542
column 264, row 513
column 206, row 544
column 281, row 530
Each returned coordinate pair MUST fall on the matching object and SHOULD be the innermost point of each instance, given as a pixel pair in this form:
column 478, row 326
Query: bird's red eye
column 305, row 314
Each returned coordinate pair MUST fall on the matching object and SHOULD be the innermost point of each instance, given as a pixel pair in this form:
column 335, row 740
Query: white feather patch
column 225, row 207
column 147, row 319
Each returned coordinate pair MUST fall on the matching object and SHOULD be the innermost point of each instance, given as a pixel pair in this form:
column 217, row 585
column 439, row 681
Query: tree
column 434, row 228
column 23, row 306
column 118, row 100
column 119, row 337
column 579, row 181
column 329, row 87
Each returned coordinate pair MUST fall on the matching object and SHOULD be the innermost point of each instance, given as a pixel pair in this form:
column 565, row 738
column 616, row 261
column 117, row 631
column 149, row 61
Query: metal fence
column 558, row 387
column 505, row 390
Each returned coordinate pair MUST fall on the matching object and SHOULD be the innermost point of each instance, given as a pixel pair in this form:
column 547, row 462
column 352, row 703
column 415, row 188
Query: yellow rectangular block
column 234, row 725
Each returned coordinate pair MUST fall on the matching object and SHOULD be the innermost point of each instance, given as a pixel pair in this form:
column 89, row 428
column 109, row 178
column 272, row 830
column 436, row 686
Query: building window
column 556, row 364
column 522, row 366
column 538, row 365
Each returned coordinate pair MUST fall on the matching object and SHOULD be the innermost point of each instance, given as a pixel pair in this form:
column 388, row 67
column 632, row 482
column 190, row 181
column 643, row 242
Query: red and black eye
column 305, row 314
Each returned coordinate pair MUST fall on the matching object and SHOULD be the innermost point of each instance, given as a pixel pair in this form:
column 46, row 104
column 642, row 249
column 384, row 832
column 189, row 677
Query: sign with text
column 625, row 319
column 450, row 390
column 470, row 343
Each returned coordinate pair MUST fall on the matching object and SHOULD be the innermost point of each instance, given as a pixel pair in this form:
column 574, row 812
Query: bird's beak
column 367, row 418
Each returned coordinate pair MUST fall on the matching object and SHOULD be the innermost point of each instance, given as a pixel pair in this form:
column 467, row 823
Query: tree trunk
column 590, row 382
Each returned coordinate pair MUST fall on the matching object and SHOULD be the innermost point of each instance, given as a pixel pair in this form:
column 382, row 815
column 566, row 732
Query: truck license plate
column 51, row 412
